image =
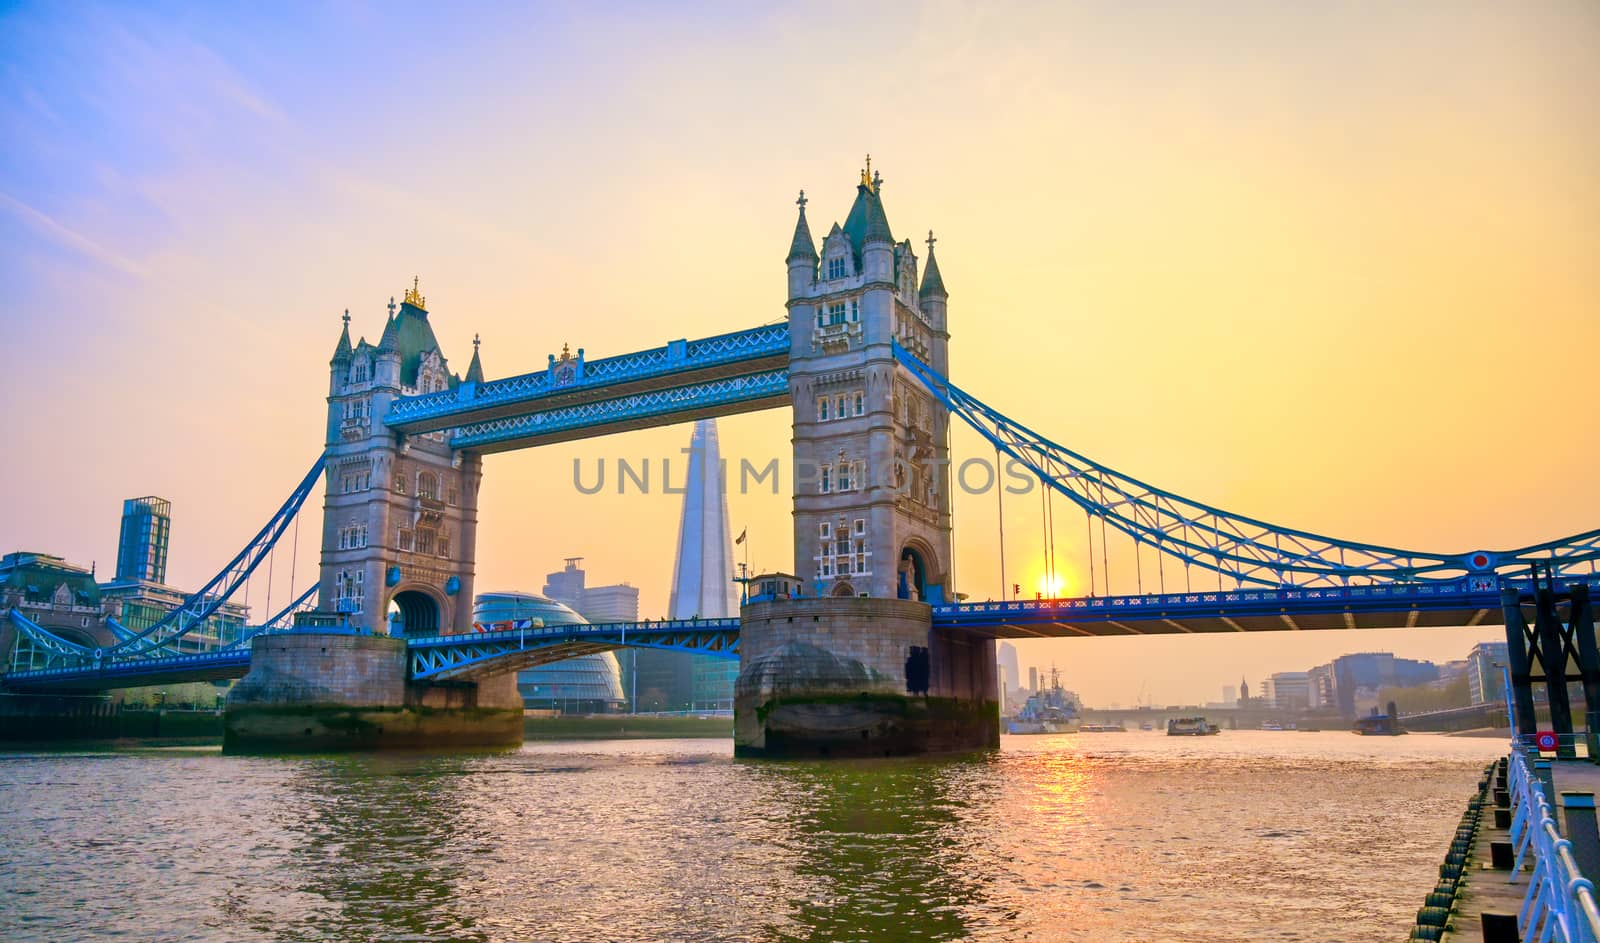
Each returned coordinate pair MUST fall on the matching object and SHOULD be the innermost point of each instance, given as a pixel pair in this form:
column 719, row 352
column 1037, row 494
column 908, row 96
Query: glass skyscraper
column 142, row 546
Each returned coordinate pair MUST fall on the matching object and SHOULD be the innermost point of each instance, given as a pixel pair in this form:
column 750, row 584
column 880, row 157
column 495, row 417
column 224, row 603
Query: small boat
column 1379, row 725
column 1191, row 727
column 1102, row 728
column 1269, row 725
column 1147, row 725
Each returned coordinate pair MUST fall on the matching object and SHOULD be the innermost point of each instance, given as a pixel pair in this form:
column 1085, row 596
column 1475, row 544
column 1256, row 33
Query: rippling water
column 1134, row 836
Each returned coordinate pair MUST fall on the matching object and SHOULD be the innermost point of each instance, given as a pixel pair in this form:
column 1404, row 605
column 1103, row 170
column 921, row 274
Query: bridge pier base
column 851, row 676
column 312, row 692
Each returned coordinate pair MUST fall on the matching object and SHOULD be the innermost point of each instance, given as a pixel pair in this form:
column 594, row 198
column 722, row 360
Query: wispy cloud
column 67, row 237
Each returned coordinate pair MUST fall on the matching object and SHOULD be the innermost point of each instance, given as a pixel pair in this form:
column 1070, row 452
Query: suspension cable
column 1105, row 562
column 1161, row 565
column 1088, row 526
column 1054, row 581
column 1000, row 503
column 1138, row 567
column 272, row 559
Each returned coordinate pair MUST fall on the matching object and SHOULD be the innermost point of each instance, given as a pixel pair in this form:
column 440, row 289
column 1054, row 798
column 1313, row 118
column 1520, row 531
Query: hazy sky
column 1330, row 265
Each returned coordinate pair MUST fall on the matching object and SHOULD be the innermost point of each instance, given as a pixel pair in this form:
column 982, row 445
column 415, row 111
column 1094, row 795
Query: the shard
column 702, row 577
column 702, row 574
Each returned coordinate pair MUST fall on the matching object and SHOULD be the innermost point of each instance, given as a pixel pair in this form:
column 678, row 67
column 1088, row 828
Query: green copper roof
column 932, row 284
column 413, row 336
column 867, row 222
column 475, row 369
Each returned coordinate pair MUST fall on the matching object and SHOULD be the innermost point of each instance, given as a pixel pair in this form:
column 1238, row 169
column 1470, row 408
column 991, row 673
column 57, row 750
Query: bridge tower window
column 836, row 267
column 827, row 478
column 428, row 485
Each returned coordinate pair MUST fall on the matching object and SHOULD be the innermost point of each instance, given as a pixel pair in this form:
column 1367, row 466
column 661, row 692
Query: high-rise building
column 1351, row 682
column 1230, row 695
column 1287, row 690
column 1485, row 682
column 142, row 545
column 702, row 573
column 1010, row 673
column 596, row 604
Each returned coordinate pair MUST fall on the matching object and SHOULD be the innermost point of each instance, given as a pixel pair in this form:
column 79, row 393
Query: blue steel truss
column 202, row 604
column 1243, row 549
column 1469, row 601
column 462, row 657
column 679, row 357
column 658, row 407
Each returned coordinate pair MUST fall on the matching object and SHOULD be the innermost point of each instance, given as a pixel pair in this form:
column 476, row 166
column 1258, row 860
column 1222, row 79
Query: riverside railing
column 1560, row 904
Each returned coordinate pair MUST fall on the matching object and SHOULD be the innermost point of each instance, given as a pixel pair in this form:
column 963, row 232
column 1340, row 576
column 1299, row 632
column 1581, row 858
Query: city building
column 139, row 604
column 1485, row 679
column 59, row 596
column 702, row 572
column 597, row 604
column 1010, row 673
column 587, row 684
column 1287, row 690
column 142, row 543
column 1230, row 696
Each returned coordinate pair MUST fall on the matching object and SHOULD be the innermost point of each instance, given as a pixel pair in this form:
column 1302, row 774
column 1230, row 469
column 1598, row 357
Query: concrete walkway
column 1486, row 890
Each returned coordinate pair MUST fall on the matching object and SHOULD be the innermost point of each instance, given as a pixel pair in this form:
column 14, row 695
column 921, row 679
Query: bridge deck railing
column 1560, row 903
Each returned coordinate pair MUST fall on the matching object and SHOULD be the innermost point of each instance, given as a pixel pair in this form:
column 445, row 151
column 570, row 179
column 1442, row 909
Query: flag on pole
column 740, row 538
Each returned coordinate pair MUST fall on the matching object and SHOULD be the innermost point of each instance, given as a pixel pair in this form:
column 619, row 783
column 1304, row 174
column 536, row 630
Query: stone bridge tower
column 854, row 665
column 871, row 447
column 401, row 513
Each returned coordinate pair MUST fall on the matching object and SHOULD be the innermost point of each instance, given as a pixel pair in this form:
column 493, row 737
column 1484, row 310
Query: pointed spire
column 801, row 247
column 390, row 341
column 475, row 369
column 932, row 284
column 343, row 351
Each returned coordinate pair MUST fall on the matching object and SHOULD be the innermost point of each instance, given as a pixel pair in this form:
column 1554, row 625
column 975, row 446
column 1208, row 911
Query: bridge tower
column 401, row 513
column 871, row 447
column 854, row 665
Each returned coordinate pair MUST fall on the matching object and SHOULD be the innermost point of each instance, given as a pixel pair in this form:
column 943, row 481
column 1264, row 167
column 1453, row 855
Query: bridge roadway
column 1459, row 603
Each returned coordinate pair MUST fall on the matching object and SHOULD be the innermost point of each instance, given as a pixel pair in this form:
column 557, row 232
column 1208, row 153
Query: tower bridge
column 874, row 651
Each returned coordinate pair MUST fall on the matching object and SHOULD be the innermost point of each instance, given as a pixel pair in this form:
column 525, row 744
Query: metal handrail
column 1560, row 904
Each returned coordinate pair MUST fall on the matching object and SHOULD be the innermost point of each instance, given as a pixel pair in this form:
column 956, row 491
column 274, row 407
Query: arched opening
column 413, row 612
column 913, row 575
column 844, row 589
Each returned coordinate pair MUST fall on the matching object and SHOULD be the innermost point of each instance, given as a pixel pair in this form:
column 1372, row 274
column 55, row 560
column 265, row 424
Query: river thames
column 1105, row 837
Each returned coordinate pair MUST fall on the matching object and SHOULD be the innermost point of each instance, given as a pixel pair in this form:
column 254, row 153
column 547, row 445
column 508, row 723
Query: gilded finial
column 866, row 176
column 931, row 241
column 347, row 317
column 802, row 201
column 474, row 343
column 414, row 294
column 566, row 352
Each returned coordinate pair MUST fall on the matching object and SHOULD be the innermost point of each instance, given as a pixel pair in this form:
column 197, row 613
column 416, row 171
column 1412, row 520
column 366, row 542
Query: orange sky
column 1327, row 266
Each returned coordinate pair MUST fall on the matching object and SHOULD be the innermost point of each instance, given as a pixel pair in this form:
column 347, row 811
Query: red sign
column 1546, row 740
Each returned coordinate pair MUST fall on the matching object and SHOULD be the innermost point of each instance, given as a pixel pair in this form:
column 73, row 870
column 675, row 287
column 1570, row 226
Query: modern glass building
column 142, row 546
column 588, row 684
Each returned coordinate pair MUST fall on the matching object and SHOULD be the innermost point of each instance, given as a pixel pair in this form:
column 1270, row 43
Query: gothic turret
column 802, row 254
column 933, row 302
column 343, row 352
column 475, row 369
column 386, row 366
column 932, row 284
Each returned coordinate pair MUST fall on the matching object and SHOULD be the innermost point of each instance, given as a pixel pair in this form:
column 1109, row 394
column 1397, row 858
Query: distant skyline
column 1323, row 265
